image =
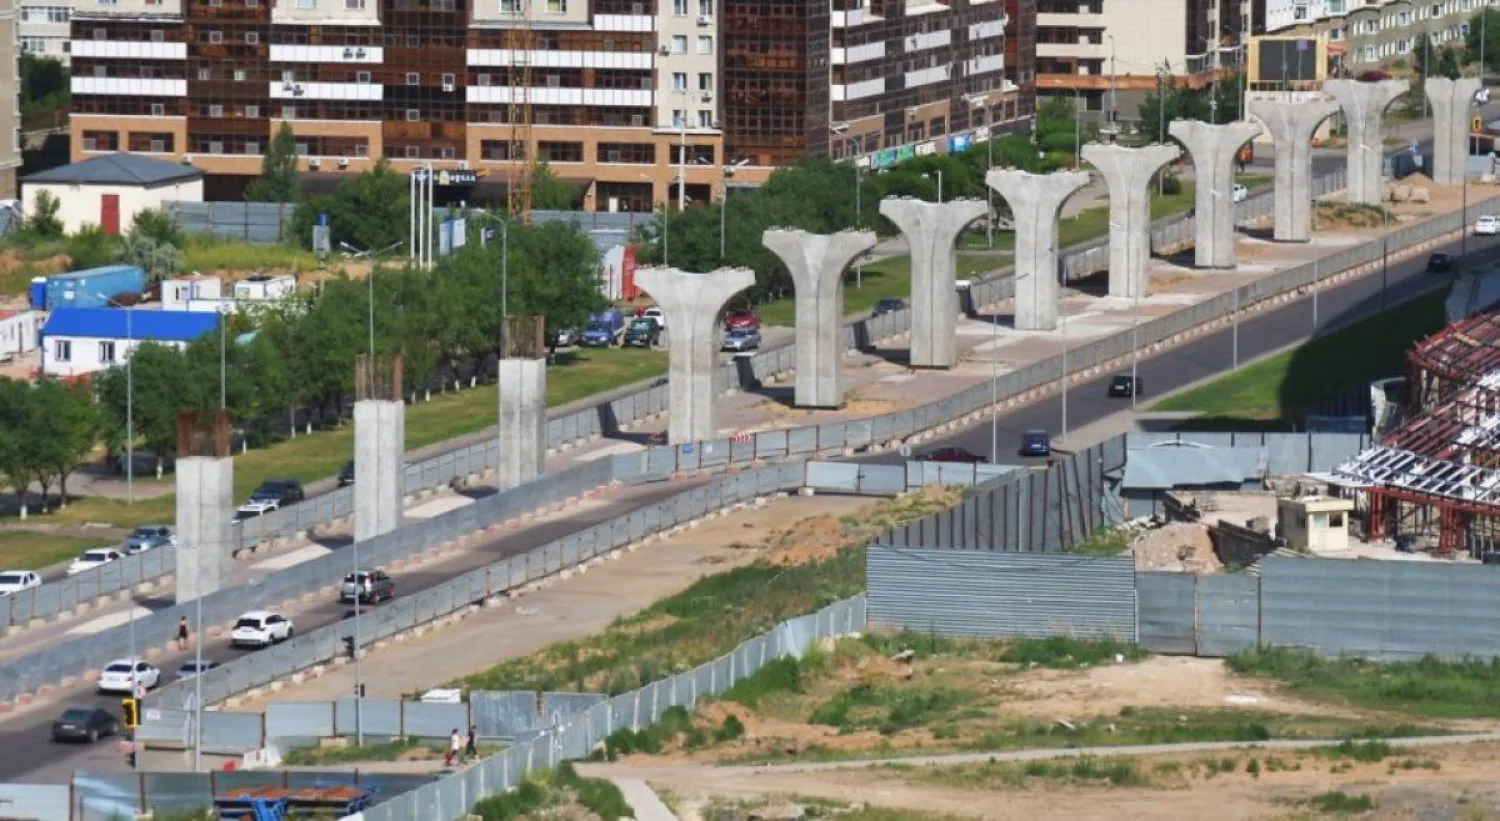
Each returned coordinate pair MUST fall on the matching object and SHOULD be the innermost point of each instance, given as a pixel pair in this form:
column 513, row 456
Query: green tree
column 163, row 385
column 44, row 222
column 1059, row 127
column 1423, row 55
column 369, row 211
column 72, row 428
column 158, row 226
column 90, row 247
column 1483, row 38
column 278, row 180
column 1448, row 63
column 21, row 431
column 159, row 259
column 552, row 193
column 44, row 83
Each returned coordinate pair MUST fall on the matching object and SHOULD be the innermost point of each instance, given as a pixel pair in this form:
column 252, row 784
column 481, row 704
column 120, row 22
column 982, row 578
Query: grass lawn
column 1430, row 688
column 33, row 550
column 1279, row 388
column 448, row 415
column 1086, row 225
column 207, row 253
column 888, row 278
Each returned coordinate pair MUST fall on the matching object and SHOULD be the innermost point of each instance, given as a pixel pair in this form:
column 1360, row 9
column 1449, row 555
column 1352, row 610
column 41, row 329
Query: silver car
column 741, row 340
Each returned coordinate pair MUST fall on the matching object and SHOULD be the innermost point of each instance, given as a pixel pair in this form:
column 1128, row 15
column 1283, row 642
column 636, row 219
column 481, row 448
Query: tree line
column 47, row 429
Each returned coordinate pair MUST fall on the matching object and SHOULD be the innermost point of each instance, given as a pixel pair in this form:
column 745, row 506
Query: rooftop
column 117, row 169
column 126, row 323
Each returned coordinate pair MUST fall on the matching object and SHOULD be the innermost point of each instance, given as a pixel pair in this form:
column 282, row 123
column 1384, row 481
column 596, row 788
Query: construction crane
column 520, row 41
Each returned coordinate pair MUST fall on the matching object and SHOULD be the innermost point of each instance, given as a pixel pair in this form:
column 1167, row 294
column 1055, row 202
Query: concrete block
column 1452, row 106
column 1036, row 201
column 1214, row 149
column 817, row 263
column 1291, row 125
column 205, row 510
column 931, row 230
column 1364, row 105
column 523, row 420
column 379, row 466
column 1128, row 173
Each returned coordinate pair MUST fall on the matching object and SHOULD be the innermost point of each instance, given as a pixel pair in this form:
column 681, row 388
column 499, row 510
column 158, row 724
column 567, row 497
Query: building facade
column 81, row 341
column 623, row 97
column 44, row 28
column 10, row 92
column 1364, row 34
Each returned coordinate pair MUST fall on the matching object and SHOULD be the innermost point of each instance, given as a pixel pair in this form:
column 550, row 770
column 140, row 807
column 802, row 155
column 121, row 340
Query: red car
column 745, row 320
column 951, row 454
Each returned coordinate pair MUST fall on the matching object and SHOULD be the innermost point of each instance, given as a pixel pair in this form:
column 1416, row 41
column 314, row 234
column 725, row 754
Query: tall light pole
column 682, row 157
column 939, row 173
column 1112, row 87
column 1161, row 132
column 989, row 224
column 1077, row 129
column 724, row 199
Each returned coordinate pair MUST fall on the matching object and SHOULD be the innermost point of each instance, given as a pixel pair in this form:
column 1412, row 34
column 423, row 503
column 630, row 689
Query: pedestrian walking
column 455, row 746
column 182, row 633
column 471, row 747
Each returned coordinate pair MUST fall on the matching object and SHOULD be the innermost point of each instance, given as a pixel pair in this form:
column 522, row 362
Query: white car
column 14, row 581
column 656, row 315
column 259, row 507
column 1487, row 226
column 1239, row 193
column 126, row 675
column 260, row 628
column 92, row 559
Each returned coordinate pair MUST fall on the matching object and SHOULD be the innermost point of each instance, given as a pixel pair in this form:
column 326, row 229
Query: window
column 252, row 38
column 99, row 34
column 679, row 44
column 354, row 5
column 412, row 152
column 33, row 45
column 705, row 81
column 252, row 112
column 146, row 72
column 413, row 115
column 482, row 79
column 252, row 147
column 680, row 7
column 288, row 75
column 216, row 111
column 679, row 81
column 307, row 4
column 62, row 350
column 560, row 151
column 679, row 118
column 557, row 6
column 101, row 71
column 631, row 153
column 106, row 351
column 705, row 44
column 158, row 36
column 449, row 81
column 216, row 37
column 1299, row 13
column 205, row 74
column 1336, row 519
column 510, row 6
column 1437, row 11
column 1403, row 45
column 705, row 119
column 288, row 112
column 705, row 8
column 240, row 75
column 158, row 109
column 362, row 77
column 413, row 78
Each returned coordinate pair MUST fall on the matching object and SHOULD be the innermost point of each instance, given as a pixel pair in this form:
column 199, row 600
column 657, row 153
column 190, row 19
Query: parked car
column 951, row 454
column 273, row 494
column 602, row 330
column 565, row 337
column 654, row 314
column 125, row 675
column 85, row 724
column 380, row 587
column 93, row 558
column 642, row 333
column 741, row 340
column 1036, row 443
column 1125, row 385
column 886, row 306
column 346, row 474
column 146, row 537
column 192, row 668
column 742, row 320
column 260, row 628
column 1439, row 263
column 1487, row 226
column 14, row 581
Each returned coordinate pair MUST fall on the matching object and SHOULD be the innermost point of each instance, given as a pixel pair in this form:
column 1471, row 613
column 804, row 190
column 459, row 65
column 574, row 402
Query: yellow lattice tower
column 520, row 41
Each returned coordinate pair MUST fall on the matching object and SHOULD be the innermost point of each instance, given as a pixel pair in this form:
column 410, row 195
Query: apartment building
column 44, row 28
column 10, row 98
column 1362, row 34
column 625, row 97
column 1107, row 54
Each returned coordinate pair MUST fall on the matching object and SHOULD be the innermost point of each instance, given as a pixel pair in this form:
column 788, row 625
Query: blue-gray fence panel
column 299, row 719
column 376, row 718
column 1380, row 610
column 560, row 708
column 232, row 732
column 1166, row 608
column 503, row 713
column 1001, row 594
column 35, row 802
column 423, row 720
column 180, row 792
column 840, row 477
column 1228, row 613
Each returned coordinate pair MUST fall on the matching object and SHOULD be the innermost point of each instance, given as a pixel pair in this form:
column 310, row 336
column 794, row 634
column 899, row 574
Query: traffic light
column 130, row 709
column 349, row 642
column 1477, row 125
column 359, row 690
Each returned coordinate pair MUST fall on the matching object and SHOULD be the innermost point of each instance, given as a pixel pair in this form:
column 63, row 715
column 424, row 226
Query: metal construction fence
column 258, row 222
column 111, row 796
column 1379, row 610
column 166, row 708
column 454, row 796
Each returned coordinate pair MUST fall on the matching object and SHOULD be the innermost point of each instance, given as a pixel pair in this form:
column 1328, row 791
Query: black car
column 1440, row 263
column 1126, row 385
column 642, row 333
column 886, row 306
column 285, row 491
column 84, row 724
column 951, row 454
column 1036, row 443
column 346, row 474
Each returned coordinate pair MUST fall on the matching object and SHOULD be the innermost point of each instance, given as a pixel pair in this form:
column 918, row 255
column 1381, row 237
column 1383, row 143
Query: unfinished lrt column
column 817, row 263
column 1291, row 126
column 205, row 502
column 1364, row 107
column 1452, row 102
column 692, row 303
column 931, row 229
column 379, row 446
column 523, row 401
column 1127, row 172
column 1035, row 202
column 1213, row 149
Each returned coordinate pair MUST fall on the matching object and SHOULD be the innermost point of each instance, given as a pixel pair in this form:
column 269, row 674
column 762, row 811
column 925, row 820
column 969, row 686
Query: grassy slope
column 32, row 549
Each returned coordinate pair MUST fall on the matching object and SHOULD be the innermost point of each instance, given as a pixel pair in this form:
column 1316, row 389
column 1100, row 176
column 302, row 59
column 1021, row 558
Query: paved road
column 31, row 756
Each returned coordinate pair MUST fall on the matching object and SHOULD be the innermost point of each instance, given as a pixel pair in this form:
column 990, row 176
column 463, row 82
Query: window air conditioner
column 705, row 20
column 463, row 165
column 312, row 162
column 665, row 51
column 708, row 96
column 343, row 162
column 359, row 54
column 348, row 54
column 447, row 86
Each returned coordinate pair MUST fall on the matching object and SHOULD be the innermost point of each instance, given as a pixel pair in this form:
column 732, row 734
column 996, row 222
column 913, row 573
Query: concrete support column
column 1452, row 102
column 817, row 263
column 931, row 229
column 523, row 420
column 1291, row 126
column 205, row 502
column 379, row 446
column 1213, row 149
column 692, row 303
column 1128, row 172
column 1364, row 107
column 1035, row 202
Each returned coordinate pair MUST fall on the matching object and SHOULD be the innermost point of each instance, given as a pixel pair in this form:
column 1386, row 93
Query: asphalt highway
column 32, row 756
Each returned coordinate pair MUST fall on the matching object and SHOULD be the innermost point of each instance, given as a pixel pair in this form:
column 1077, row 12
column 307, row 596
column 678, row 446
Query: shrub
column 157, row 226
column 731, row 729
column 1342, row 803
column 1066, row 652
column 783, row 675
column 43, row 221
column 91, row 248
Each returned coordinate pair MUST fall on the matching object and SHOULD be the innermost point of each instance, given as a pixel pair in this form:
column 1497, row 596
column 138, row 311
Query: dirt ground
column 1181, row 547
column 1454, row 782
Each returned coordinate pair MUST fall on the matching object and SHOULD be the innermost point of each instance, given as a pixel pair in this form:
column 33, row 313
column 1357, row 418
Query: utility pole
column 1112, row 88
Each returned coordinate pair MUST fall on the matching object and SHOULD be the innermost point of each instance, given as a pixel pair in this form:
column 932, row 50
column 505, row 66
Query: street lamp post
column 1112, row 87
column 1077, row 128
column 989, row 223
column 939, row 173
column 724, row 199
column 129, row 409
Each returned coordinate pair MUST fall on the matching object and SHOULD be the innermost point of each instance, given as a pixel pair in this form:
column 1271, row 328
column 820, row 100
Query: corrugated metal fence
column 110, row 796
column 260, row 222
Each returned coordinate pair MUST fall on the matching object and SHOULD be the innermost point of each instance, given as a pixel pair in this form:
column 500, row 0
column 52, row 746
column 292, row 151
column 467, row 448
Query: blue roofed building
column 80, row 341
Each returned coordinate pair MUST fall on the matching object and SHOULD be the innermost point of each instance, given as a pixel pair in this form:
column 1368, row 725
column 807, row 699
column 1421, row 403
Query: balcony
column 129, row 49
column 366, row 55
column 130, row 87
column 1082, row 21
column 1073, row 51
column 504, row 57
column 362, row 92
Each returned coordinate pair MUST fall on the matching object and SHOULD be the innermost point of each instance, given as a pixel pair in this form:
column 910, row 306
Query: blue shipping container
column 94, row 288
column 38, row 293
